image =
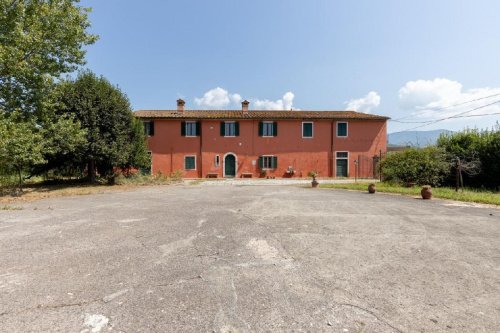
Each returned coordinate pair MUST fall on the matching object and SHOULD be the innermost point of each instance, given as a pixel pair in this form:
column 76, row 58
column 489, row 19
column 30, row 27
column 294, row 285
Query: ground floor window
column 268, row 162
column 190, row 162
column 342, row 164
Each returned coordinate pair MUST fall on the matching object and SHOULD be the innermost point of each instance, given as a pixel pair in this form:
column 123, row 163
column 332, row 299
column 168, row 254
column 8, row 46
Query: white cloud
column 285, row 103
column 364, row 104
column 424, row 100
column 217, row 98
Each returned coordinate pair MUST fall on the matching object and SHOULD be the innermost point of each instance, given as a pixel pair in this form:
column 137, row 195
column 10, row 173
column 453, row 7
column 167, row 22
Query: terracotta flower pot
column 314, row 183
column 371, row 188
column 426, row 192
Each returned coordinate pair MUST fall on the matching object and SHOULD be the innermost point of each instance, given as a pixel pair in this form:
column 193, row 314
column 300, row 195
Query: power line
column 449, row 106
column 450, row 117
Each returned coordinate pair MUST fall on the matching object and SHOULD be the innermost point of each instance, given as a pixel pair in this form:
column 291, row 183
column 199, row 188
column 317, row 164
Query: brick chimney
column 244, row 106
column 180, row 105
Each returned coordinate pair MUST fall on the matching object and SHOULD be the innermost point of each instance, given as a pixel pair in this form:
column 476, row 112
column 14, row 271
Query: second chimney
column 244, row 106
column 180, row 105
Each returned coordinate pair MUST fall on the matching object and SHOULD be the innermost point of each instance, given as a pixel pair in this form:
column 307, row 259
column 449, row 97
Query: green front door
column 341, row 168
column 230, row 166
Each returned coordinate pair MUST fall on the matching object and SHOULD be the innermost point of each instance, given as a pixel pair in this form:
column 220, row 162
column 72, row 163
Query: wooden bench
column 212, row 175
column 246, row 175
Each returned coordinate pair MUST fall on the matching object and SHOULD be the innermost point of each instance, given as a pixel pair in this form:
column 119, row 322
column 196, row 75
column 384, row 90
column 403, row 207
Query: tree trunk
column 91, row 171
column 20, row 187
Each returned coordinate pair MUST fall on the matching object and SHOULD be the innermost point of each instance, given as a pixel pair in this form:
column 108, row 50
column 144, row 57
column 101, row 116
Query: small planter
column 371, row 188
column 426, row 192
column 314, row 183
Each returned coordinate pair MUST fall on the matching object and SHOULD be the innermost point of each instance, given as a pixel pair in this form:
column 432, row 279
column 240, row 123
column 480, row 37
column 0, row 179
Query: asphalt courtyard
column 192, row 258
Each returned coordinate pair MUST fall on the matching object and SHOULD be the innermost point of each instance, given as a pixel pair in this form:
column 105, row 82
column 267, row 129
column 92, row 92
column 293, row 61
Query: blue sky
column 411, row 59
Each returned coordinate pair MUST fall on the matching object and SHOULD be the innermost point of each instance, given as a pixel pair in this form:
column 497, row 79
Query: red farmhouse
column 255, row 143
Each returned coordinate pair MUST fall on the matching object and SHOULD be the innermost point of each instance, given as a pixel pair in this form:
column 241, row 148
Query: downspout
column 332, row 159
column 200, row 175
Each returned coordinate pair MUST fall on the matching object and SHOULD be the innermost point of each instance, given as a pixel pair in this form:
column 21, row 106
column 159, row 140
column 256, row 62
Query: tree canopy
column 104, row 112
column 39, row 41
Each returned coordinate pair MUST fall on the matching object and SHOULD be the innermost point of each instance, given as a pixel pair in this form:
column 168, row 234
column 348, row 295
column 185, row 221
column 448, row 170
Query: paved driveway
column 249, row 258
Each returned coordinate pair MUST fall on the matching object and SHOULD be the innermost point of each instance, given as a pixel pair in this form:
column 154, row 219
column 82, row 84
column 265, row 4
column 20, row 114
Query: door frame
column 235, row 164
column 341, row 158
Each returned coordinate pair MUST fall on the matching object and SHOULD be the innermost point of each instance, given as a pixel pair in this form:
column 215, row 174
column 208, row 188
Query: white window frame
column 272, row 125
column 312, row 129
column 186, row 128
column 341, row 158
column 185, row 162
column 217, row 161
column 230, row 122
column 271, row 156
column 346, row 129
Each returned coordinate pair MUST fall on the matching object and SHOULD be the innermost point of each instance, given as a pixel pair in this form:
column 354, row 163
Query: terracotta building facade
column 256, row 143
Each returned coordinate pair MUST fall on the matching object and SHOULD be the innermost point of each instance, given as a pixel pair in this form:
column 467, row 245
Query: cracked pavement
column 193, row 258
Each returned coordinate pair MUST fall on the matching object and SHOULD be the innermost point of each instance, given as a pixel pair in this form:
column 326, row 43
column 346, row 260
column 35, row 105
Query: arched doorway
column 229, row 165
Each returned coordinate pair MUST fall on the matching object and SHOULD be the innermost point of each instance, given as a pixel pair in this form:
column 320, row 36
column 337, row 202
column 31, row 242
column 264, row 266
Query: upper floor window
column 149, row 128
column 341, row 129
column 268, row 128
column 307, row 130
column 190, row 128
column 229, row 128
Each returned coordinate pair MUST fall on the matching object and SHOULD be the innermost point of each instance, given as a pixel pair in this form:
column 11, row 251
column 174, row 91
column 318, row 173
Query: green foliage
column 39, row 40
column 422, row 166
column 474, row 144
column 21, row 145
column 468, row 195
column 139, row 157
column 112, row 138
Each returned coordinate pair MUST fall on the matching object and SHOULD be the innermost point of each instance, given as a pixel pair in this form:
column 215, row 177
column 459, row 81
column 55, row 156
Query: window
column 307, row 130
column 190, row 162
column 341, row 129
column 149, row 128
column 268, row 128
column 217, row 161
column 229, row 128
column 342, row 164
column 190, row 128
column 268, row 162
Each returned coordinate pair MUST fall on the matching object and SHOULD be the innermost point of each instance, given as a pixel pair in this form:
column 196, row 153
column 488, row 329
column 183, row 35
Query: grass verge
column 467, row 195
column 41, row 190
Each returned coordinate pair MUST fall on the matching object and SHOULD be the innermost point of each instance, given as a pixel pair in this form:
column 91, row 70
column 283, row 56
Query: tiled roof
column 254, row 114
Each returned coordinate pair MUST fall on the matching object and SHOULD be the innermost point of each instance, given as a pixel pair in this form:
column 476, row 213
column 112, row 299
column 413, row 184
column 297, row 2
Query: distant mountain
column 415, row 138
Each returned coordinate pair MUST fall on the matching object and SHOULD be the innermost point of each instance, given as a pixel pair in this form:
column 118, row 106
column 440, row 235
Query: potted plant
column 263, row 173
column 371, row 188
column 313, row 174
column 426, row 192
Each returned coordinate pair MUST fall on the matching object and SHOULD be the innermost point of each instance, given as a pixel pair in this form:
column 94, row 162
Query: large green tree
column 39, row 41
column 21, row 146
column 104, row 112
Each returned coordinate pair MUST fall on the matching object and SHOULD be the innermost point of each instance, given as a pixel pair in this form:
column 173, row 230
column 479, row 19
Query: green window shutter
column 145, row 124
column 341, row 129
column 261, row 128
column 183, row 128
column 275, row 162
column 307, row 131
column 198, row 128
column 152, row 128
column 261, row 162
column 275, row 128
column 222, row 128
column 237, row 129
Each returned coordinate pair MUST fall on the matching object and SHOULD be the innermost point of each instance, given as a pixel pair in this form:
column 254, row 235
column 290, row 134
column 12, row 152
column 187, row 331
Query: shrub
column 422, row 166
